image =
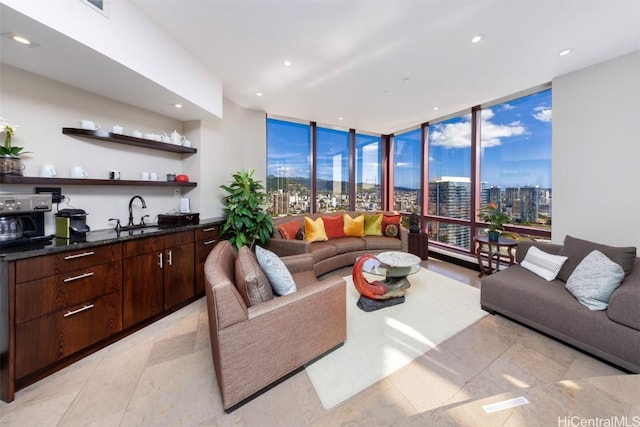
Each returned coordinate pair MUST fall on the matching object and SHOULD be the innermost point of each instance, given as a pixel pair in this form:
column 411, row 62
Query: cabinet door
column 143, row 287
column 179, row 278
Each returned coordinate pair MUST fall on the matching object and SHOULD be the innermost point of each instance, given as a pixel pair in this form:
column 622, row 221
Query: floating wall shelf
column 128, row 140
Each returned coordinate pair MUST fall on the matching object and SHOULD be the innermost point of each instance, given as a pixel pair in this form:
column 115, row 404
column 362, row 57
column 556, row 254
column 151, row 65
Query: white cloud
column 458, row 135
column 542, row 113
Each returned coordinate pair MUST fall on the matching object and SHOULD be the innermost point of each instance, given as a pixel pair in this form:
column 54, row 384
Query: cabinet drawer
column 47, row 339
column 157, row 243
column 39, row 297
column 203, row 248
column 208, row 232
column 51, row 265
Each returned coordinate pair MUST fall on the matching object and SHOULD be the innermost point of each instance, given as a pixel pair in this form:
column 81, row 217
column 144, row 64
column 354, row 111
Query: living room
column 595, row 128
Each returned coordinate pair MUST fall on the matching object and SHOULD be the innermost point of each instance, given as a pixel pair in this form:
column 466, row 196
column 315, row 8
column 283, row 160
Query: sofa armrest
column 287, row 247
column 298, row 263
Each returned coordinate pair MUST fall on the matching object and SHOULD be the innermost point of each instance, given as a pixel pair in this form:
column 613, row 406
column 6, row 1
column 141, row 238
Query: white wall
column 596, row 153
column 42, row 107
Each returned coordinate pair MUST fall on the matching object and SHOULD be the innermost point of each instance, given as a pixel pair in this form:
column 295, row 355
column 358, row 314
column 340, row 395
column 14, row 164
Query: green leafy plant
column 247, row 221
column 9, row 130
column 494, row 217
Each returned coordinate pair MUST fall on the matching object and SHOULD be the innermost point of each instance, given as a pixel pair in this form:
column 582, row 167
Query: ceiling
column 383, row 66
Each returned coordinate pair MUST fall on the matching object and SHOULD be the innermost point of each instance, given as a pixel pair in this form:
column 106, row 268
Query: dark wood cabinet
column 206, row 238
column 419, row 244
column 158, row 275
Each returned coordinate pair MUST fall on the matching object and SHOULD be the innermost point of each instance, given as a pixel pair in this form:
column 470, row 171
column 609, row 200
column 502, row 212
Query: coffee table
column 394, row 267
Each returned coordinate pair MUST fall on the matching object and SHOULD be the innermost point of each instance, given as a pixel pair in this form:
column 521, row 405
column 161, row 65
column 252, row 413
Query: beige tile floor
column 163, row 375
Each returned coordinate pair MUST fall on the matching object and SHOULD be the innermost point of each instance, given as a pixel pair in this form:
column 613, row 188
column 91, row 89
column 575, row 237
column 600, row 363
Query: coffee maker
column 22, row 219
column 72, row 224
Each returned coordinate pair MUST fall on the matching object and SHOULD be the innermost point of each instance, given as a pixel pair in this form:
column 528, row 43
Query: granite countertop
column 96, row 238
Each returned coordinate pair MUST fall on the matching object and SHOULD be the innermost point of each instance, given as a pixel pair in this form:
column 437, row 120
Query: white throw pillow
column 543, row 264
column 277, row 273
column 594, row 280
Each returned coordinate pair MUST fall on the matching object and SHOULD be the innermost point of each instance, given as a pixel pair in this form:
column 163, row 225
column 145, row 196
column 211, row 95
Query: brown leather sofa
column 255, row 346
column 336, row 252
column 612, row 334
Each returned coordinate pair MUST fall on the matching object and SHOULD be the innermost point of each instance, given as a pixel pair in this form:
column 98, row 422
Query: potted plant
column 10, row 163
column 247, row 221
column 495, row 218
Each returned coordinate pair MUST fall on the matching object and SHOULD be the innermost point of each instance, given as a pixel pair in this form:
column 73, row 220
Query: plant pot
column 11, row 165
column 494, row 236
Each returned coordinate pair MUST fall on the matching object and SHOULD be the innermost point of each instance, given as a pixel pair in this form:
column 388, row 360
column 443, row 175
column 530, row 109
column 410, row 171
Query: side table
column 492, row 250
column 419, row 244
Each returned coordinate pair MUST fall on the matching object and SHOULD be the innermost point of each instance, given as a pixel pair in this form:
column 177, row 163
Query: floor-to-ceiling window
column 288, row 167
column 332, row 170
column 407, row 155
column 368, row 172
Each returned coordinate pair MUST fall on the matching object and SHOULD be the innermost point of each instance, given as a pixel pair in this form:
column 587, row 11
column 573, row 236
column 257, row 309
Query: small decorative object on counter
column 414, row 223
column 182, row 178
column 171, row 177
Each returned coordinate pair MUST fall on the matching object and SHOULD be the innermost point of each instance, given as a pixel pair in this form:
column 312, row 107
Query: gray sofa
column 612, row 334
column 337, row 252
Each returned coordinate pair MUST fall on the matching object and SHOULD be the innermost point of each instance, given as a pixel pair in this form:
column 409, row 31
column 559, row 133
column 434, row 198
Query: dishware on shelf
column 176, row 138
column 144, row 176
column 165, row 138
column 153, row 176
column 186, row 143
column 117, row 129
column 114, row 174
column 89, row 125
column 78, row 172
column 171, row 177
column 150, row 136
column 48, row 171
column 136, row 133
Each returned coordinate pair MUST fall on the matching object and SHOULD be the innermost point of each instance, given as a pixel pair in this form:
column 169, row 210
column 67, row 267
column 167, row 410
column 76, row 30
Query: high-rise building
column 529, row 202
column 280, row 203
column 450, row 196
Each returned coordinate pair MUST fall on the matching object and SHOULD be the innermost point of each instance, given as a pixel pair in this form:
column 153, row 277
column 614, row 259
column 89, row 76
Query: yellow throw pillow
column 314, row 230
column 373, row 225
column 354, row 226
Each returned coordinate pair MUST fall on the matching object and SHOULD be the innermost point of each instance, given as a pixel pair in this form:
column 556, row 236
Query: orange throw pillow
column 333, row 226
column 391, row 225
column 353, row 226
column 289, row 229
column 314, row 230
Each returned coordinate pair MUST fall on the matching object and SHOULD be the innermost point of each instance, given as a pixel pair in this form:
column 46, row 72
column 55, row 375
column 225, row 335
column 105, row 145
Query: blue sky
column 516, row 147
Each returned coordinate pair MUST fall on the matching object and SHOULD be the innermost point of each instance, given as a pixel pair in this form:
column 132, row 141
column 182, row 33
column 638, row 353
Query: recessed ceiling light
column 565, row 52
column 405, row 80
column 436, row 108
column 287, row 63
column 177, row 105
column 258, row 93
column 477, row 38
column 22, row 40
column 340, row 118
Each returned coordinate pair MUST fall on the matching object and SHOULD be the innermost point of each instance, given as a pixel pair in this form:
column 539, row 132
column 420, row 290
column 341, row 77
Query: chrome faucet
column 144, row 206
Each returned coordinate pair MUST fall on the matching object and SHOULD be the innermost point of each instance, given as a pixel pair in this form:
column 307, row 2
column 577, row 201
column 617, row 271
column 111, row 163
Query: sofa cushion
column 314, row 230
column 594, row 280
column 576, row 249
column 251, row 281
column 322, row 250
column 373, row 225
column 275, row 270
column 333, row 226
column 391, row 225
column 543, row 264
column 353, row 226
column 373, row 243
column 348, row 244
column 289, row 230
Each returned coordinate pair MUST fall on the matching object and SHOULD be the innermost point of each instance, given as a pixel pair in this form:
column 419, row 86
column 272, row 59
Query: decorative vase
column 414, row 223
column 494, row 236
column 11, row 165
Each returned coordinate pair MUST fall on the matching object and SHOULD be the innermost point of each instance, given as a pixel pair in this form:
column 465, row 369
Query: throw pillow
column 594, row 280
column 289, row 230
column 277, row 273
column 391, row 225
column 373, row 225
column 353, row 226
column 251, row 281
column 314, row 230
column 542, row 263
column 333, row 226
column 576, row 249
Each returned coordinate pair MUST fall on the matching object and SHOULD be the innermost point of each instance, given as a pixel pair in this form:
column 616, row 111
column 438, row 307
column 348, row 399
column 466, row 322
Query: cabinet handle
column 71, row 313
column 160, row 259
column 79, row 255
column 209, row 242
column 206, row 230
column 81, row 276
column 170, row 257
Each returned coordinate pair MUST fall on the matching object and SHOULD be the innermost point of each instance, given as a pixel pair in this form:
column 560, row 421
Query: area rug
column 381, row 342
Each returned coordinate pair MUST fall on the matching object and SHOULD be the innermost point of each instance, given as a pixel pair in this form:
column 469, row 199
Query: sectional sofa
column 612, row 334
column 342, row 246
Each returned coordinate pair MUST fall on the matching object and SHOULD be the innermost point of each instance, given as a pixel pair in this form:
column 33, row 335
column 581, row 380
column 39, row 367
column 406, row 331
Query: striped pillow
column 543, row 264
